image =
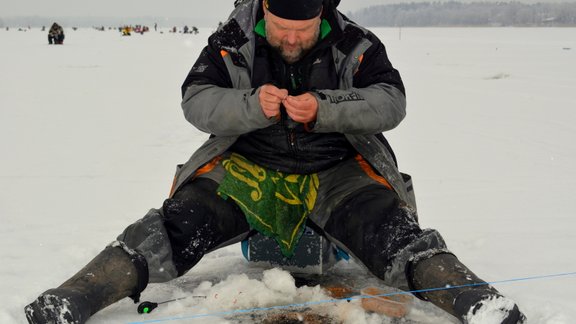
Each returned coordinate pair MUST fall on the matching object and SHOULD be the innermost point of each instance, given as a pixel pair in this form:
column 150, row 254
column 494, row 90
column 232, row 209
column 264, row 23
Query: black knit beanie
column 294, row 9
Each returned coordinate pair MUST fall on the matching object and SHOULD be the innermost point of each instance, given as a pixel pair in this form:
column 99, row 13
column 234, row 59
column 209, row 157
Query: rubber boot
column 458, row 291
column 110, row 276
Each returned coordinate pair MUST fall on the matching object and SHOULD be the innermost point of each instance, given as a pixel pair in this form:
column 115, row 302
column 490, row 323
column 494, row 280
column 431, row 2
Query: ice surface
column 91, row 131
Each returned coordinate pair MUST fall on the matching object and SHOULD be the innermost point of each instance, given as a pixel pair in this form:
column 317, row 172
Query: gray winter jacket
column 227, row 112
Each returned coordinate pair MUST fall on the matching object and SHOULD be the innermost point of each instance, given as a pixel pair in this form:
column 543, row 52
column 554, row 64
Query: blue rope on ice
column 270, row 308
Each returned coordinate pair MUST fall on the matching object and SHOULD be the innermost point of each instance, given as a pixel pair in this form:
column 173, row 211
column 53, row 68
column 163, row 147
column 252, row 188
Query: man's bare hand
column 302, row 108
column 271, row 98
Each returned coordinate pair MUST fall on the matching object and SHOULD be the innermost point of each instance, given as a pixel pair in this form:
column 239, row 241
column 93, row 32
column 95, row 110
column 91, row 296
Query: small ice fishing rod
column 147, row 307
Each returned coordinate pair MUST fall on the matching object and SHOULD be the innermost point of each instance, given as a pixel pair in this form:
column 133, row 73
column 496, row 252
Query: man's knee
column 369, row 217
column 198, row 220
column 197, row 212
column 372, row 200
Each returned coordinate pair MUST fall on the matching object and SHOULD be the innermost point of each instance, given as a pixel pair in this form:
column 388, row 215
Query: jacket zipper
column 290, row 127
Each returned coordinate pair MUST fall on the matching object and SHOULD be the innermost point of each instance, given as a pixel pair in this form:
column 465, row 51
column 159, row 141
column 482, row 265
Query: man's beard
column 291, row 57
column 296, row 55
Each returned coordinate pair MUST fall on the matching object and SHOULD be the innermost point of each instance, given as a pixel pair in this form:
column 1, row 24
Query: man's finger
column 274, row 91
column 271, row 99
column 298, row 102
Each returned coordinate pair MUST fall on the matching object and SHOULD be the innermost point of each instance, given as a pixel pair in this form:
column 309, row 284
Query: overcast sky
column 203, row 10
column 199, row 12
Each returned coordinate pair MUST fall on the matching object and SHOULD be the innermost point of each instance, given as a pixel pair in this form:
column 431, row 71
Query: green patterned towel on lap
column 275, row 204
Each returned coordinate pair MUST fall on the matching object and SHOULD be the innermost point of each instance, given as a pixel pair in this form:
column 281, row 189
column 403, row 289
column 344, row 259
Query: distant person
column 56, row 34
column 127, row 31
column 296, row 98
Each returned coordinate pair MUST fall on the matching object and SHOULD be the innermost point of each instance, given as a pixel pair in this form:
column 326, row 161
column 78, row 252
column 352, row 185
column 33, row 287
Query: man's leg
column 198, row 221
column 378, row 229
column 161, row 246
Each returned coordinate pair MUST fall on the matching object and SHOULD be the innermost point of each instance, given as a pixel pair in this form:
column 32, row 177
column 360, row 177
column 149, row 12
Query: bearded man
column 295, row 98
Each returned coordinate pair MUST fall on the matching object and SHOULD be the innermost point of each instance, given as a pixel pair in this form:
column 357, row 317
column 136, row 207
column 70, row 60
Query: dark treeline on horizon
column 439, row 14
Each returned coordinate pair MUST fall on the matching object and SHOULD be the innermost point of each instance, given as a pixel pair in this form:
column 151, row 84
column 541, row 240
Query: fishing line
column 279, row 307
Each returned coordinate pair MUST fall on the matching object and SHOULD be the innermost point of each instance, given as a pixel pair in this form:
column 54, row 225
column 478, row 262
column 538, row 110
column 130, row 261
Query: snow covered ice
column 91, row 131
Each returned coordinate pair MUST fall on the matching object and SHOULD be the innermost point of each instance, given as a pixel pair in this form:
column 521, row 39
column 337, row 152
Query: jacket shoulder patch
column 228, row 39
column 352, row 36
